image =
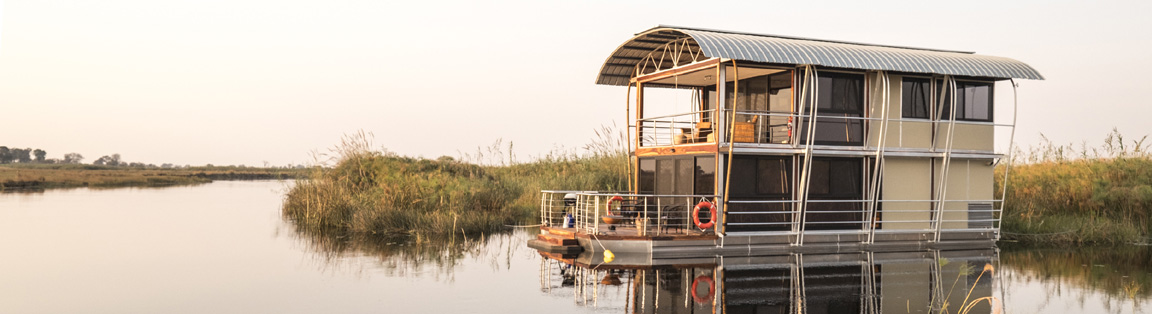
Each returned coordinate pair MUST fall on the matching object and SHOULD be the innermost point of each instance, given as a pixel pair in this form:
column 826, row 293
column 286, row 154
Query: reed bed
column 377, row 192
column 1061, row 194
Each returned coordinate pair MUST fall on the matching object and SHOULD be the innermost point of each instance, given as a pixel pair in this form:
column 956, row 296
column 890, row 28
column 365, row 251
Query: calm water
column 223, row 248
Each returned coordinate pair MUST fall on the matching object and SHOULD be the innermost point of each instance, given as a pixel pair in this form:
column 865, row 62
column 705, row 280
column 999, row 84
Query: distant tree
column 136, row 164
column 166, row 165
column 22, row 155
column 5, row 155
column 109, row 160
column 73, row 158
column 39, row 153
column 53, row 161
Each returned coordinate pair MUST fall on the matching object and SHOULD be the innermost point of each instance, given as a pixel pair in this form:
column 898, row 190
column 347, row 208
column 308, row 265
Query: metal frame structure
column 661, row 56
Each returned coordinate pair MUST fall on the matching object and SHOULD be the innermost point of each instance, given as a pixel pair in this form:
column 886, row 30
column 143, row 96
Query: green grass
column 376, row 192
column 1062, row 195
column 46, row 176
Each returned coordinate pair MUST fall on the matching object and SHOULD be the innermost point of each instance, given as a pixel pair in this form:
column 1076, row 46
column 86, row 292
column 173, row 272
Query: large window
column 835, row 179
column 840, row 100
column 973, row 101
column 916, row 97
column 760, row 178
column 647, row 184
column 705, row 175
column 678, row 175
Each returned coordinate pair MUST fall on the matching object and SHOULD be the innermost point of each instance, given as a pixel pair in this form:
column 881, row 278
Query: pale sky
column 244, row 82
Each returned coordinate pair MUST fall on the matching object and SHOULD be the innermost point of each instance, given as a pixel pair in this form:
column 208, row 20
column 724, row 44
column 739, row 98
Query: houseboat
column 755, row 144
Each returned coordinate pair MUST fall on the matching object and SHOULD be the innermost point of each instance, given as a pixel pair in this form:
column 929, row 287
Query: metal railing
column 642, row 214
column 767, row 127
column 555, row 211
column 677, row 129
column 654, row 215
column 781, row 213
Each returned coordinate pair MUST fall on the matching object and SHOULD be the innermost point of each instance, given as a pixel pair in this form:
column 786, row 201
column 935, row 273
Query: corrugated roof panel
column 801, row 51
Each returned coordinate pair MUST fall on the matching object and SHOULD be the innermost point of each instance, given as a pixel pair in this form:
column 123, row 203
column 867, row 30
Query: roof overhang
column 619, row 67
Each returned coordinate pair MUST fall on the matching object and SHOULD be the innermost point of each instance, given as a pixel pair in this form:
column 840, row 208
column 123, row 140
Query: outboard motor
column 569, row 203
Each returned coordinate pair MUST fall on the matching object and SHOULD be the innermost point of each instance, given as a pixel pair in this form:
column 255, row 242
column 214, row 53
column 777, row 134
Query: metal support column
column 811, row 78
column 945, row 162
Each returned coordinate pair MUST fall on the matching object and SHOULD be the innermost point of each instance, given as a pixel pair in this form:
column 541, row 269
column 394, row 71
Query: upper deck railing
column 782, row 130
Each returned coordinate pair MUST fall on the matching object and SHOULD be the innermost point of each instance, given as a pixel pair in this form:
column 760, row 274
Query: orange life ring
column 696, row 215
column 608, row 209
column 711, row 289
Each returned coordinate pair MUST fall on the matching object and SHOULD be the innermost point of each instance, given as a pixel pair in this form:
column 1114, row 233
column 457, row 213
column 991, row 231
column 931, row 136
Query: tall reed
column 374, row 191
column 1058, row 193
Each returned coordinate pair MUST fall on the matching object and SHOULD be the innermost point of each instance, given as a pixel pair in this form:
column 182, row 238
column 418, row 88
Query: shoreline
column 36, row 177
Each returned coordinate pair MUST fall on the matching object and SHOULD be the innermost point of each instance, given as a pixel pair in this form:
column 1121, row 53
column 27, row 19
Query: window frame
column 649, row 181
column 850, row 117
column 961, row 104
column 929, row 106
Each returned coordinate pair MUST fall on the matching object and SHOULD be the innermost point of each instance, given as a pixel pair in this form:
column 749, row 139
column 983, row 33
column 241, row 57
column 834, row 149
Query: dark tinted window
column 772, row 176
column 743, row 176
column 835, row 179
column 761, row 176
column 665, row 176
column 841, row 93
column 840, row 101
column 684, row 174
column 647, row 175
column 705, row 175
column 679, row 175
column 915, row 98
column 973, row 101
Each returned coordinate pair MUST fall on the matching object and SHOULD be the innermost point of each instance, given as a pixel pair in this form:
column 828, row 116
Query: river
column 224, row 248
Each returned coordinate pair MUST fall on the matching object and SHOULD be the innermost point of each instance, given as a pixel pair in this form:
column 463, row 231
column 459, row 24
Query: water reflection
column 404, row 255
column 1014, row 280
column 1119, row 277
column 920, row 282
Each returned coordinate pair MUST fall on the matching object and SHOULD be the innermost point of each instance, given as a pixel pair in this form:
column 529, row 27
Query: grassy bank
column 1061, row 195
column 375, row 192
column 46, row 176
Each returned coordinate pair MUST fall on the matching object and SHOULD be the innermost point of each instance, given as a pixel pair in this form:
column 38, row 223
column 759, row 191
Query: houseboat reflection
column 907, row 282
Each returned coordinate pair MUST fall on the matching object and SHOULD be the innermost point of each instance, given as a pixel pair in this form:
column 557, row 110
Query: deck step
column 556, row 239
column 547, row 247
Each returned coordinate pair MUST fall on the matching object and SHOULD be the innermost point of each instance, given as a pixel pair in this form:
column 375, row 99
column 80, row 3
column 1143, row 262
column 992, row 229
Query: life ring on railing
column 608, row 209
column 711, row 289
column 696, row 215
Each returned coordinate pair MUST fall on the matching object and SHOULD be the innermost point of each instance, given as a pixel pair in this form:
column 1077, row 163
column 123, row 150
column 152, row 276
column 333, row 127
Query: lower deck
column 629, row 247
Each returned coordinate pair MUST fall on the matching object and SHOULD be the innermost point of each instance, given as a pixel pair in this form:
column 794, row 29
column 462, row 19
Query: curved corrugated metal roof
column 618, row 67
